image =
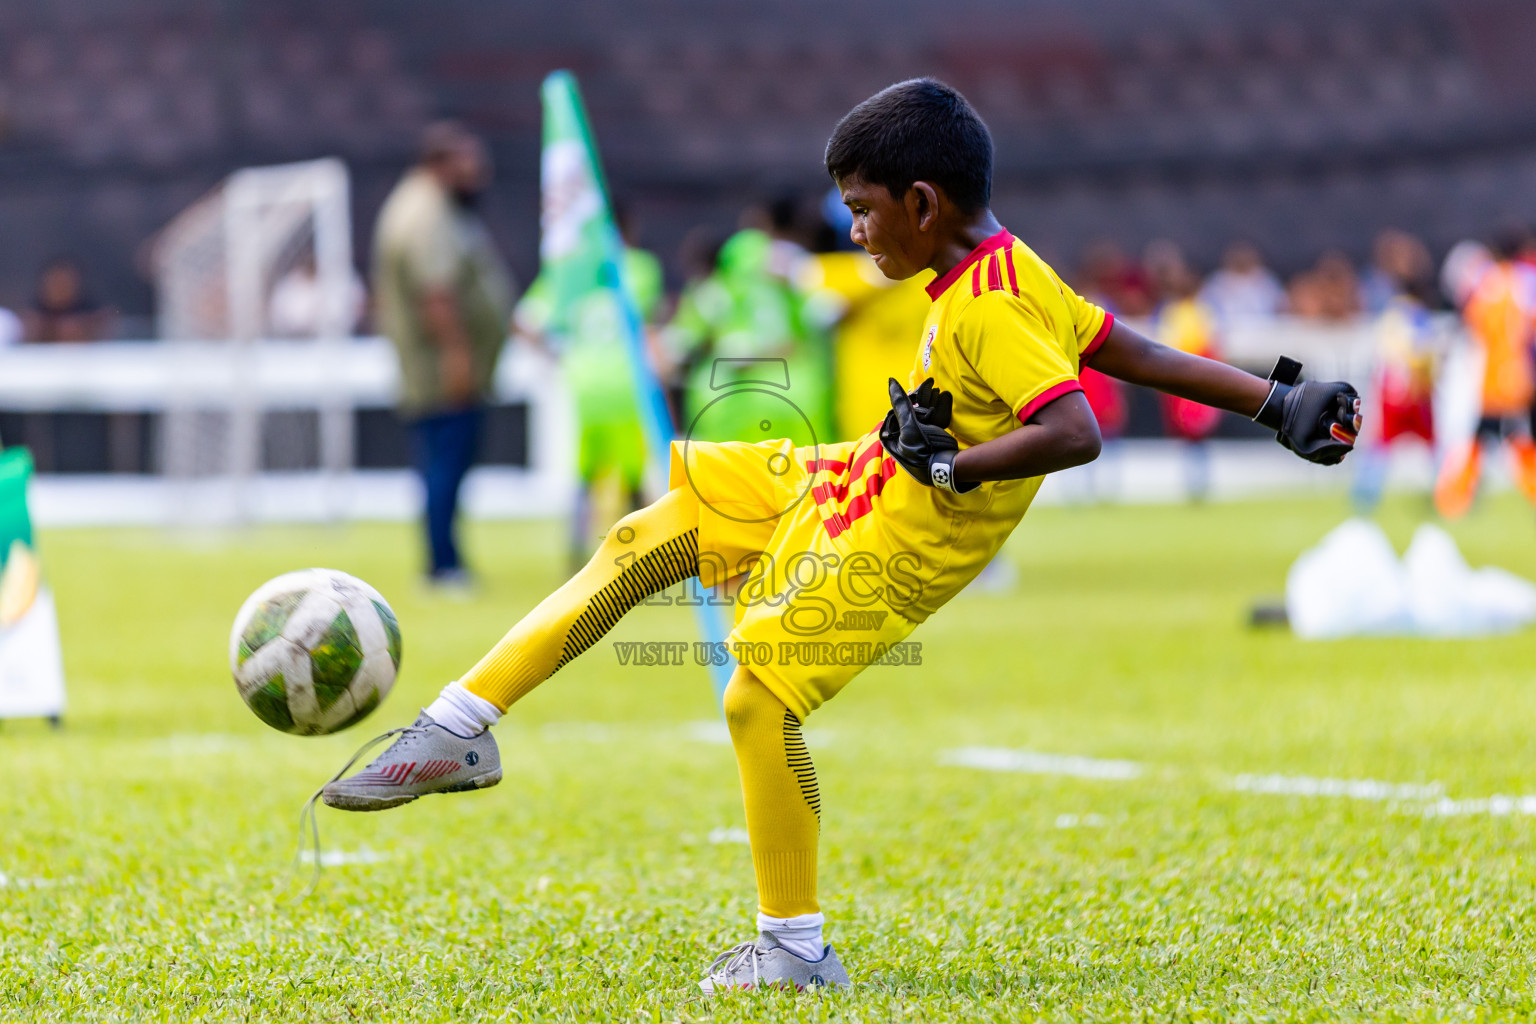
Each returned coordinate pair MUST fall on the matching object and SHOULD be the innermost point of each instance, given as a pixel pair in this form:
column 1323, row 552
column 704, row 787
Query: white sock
column 801, row 935
column 459, row 711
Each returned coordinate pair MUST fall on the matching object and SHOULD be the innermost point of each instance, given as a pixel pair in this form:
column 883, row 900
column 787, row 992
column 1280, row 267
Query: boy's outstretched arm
column 1130, row 357
column 1060, row 435
column 1318, row 420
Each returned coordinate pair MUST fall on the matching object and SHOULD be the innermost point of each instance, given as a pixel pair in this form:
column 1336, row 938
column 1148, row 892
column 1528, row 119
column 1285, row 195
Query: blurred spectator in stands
column 1106, row 397
column 444, row 299
column 1328, row 291
column 61, row 310
column 1116, row 282
column 1186, row 323
column 301, row 308
column 1243, row 288
column 1400, row 265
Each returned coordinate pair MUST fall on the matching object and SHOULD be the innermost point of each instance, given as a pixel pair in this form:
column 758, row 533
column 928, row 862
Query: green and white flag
column 580, row 250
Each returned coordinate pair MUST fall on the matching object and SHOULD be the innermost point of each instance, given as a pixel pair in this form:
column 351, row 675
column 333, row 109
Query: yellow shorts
column 808, row 618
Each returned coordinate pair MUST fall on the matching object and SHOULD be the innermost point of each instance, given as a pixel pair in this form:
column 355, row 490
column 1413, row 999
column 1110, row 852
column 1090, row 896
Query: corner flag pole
column 580, row 247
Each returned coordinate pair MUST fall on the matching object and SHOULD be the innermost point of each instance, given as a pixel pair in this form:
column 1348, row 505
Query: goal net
column 263, row 260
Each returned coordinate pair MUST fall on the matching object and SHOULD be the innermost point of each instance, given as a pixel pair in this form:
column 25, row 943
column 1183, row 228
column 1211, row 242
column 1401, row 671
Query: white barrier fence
column 162, row 377
column 159, row 377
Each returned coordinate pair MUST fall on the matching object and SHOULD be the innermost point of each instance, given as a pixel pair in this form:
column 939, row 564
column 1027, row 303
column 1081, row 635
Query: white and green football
column 314, row 651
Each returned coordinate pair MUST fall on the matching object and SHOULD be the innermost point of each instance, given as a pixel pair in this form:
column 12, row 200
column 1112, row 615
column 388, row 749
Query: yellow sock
column 778, row 786
column 645, row 552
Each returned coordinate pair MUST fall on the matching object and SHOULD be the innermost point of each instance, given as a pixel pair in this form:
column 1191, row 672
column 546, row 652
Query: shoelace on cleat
column 307, row 816
column 731, row 959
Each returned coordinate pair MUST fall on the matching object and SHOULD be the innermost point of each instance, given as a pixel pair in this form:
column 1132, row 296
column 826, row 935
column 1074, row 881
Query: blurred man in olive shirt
column 444, row 298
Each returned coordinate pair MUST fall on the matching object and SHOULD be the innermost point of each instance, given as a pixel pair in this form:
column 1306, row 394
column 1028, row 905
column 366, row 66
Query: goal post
column 217, row 268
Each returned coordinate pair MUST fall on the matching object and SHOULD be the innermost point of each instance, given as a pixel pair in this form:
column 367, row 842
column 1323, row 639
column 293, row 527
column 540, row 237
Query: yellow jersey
column 1005, row 336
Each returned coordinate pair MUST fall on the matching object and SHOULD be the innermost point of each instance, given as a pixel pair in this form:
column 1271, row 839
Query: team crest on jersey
column 933, row 332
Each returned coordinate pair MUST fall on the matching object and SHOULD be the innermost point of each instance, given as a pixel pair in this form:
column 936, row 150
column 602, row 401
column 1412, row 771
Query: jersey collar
column 939, row 285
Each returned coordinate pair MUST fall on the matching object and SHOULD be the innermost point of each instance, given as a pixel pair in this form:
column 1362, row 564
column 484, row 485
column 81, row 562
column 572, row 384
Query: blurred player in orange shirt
column 1500, row 314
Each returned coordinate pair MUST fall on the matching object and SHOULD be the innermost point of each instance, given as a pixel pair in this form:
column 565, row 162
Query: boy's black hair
column 918, row 130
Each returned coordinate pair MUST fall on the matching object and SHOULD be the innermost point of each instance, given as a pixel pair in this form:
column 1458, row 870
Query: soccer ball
column 314, row 651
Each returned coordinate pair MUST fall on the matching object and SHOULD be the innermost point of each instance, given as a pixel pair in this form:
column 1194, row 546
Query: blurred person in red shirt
column 1185, row 323
column 1111, row 279
column 1116, row 282
column 1404, row 392
column 1399, row 289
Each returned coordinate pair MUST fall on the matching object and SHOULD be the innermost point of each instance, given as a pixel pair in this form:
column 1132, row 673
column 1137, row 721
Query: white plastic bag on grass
column 1349, row 584
column 1448, row 598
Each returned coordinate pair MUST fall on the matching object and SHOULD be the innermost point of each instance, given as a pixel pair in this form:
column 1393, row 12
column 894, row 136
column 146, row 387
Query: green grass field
column 146, row 847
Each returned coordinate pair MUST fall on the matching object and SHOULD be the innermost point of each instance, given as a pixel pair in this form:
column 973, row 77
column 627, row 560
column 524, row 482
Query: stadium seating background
column 1303, row 126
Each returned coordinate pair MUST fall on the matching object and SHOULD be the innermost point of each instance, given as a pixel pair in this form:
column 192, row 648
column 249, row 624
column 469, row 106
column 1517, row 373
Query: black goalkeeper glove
column 1317, row 420
column 932, row 405
column 925, row 450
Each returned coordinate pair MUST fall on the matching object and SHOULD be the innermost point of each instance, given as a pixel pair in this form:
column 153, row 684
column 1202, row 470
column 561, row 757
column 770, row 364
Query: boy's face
column 895, row 231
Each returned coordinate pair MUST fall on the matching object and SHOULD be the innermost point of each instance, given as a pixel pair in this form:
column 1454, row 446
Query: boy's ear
column 923, row 203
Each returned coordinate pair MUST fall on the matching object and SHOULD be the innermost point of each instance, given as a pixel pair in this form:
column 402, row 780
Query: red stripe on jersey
column 1098, row 339
column 862, row 459
column 976, row 279
column 1013, row 279
column 1046, row 397
column 830, row 465
column 861, row 506
column 994, row 275
column 938, row 286
column 822, row 493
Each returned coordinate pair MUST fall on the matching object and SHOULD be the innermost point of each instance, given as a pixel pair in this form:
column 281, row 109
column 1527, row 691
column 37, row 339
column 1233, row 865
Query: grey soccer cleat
column 766, row 964
column 425, row 758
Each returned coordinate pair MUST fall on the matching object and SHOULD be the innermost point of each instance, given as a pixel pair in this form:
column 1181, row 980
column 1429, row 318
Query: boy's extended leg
column 783, row 804
column 447, row 749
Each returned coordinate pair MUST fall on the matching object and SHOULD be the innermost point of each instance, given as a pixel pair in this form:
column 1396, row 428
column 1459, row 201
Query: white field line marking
column 729, row 835
column 11, row 882
column 714, row 731
column 1080, row 821
column 1354, row 789
column 339, row 858
column 183, row 744
column 1002, row 759
column 1494, row 806
column 577, row 732
column 1427, row 798
column 709, row 731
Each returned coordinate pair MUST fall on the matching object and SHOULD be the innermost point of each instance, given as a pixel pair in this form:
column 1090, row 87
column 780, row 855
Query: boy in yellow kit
column 847, row 547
